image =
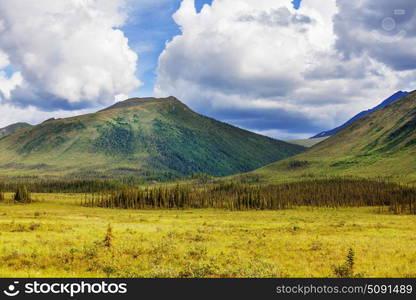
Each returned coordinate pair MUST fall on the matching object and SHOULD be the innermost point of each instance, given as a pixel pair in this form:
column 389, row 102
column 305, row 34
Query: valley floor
column 56, row 237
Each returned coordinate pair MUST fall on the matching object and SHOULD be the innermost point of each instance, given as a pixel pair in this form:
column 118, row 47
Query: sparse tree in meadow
column 108, row 240
column 22, row 195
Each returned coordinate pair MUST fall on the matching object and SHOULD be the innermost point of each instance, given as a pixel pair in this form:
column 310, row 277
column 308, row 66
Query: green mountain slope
column 382, row 144
column 12, row 128
column 152, row 138
column 307, row 142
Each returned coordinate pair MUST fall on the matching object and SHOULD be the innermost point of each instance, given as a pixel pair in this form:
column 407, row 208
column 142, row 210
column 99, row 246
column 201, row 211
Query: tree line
column 329, row 192
column 333, row 193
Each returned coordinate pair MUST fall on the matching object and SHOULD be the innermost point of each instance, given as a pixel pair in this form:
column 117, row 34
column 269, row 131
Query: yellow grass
column 56, row 237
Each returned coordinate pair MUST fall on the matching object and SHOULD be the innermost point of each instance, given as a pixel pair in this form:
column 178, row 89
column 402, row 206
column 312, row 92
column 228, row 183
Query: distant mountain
column 380, row 144
column 307, row 142
column 150, row 138
column 12, row 128
column 393, row 98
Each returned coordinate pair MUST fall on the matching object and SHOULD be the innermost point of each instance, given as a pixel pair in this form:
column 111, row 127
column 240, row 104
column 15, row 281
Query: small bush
column 250, row 179
column 1, row 196
column 34, row 226
column 22, row 195
column 316, row 246
column 109, row 270
column 297, row 164
column 346, row 270
column 108, row 240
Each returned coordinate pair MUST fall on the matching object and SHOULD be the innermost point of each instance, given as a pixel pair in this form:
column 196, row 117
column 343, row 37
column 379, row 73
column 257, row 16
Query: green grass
column 307, row 142
column 56, row 237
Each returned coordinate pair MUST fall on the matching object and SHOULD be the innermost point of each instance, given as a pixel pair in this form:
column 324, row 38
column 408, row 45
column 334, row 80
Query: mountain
column 393, row 98
column 381, row 144
column 12, row 128
column 152, row 138
column 307, row 142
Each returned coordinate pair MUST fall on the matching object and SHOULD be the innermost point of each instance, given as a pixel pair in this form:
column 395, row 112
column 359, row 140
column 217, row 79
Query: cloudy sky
column 283, row 68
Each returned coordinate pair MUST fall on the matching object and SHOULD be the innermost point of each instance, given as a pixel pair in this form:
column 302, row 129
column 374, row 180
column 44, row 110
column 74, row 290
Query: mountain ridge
column 131, row 102
column 151, row 138
column 13, row 127
column 381, row 144
column 393, row 98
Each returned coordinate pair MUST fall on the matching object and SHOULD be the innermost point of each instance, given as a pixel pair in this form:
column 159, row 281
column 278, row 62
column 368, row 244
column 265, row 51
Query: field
column 56, row 237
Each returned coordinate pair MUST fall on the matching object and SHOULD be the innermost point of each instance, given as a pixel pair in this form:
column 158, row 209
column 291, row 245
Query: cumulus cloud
column 383, row 29
column 267, row 67
column 4, row 60
column 11, row 114
column 67, row 54
column 7, row 83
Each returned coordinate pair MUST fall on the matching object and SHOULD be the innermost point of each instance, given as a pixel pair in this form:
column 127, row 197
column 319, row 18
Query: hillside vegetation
column 155, row 139
column 307, row 142
column 12, row 128
column 382, row 144
column 393, row 98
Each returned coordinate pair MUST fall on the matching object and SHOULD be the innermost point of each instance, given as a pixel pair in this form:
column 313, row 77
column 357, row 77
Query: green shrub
column 108, row 240
column 346, row 270
column 297, row 164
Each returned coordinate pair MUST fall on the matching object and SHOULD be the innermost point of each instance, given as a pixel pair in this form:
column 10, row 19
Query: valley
column 207, row 139
column 148, row 188
column 56, row 237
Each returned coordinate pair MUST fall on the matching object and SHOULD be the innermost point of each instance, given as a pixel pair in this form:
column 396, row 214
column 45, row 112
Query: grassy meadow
column 57, row 237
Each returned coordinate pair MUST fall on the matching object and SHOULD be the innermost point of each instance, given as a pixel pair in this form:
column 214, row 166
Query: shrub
column 297, row 164
column 108, row 240
column 346, row 270
column 109, row 270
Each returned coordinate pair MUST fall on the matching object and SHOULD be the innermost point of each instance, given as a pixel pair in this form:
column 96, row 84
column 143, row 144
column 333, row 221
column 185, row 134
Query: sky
column 282, row 68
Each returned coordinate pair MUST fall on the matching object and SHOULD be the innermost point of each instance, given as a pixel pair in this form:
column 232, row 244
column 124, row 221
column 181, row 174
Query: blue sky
column 148, row 31
column 282, row 68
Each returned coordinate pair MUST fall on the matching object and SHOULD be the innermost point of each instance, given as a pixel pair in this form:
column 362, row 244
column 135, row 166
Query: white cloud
column 8, row 84
column 69, row 52
column 267, row 67
column 283, row 134
column 11, row 114
column 120, row 97
column 4, row 59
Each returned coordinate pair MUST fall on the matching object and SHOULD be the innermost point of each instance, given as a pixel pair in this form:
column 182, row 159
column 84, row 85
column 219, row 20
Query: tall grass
column 337, row 192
